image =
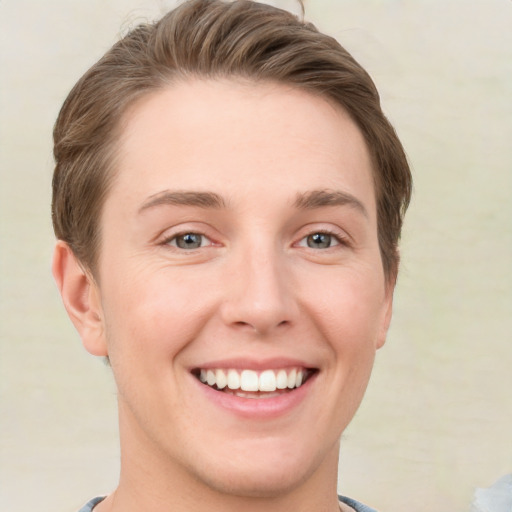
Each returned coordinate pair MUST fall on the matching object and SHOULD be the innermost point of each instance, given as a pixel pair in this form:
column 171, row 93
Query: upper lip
column 246, row 363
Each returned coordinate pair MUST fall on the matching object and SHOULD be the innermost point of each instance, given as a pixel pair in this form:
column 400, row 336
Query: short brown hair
column 211, row 39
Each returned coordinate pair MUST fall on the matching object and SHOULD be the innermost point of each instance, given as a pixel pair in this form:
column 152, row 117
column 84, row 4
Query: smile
column 254, row 384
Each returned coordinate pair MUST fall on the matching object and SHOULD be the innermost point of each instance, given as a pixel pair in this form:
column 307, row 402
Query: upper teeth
column 250, row 380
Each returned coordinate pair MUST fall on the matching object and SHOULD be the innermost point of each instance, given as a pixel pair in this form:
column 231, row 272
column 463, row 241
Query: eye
column 188, row 241
column 320, row 240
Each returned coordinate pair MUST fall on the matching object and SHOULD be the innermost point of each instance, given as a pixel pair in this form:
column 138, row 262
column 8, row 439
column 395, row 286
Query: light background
column 437, row 419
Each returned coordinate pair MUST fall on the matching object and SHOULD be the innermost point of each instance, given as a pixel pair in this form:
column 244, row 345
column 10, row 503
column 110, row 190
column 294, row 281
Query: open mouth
column 254, row 384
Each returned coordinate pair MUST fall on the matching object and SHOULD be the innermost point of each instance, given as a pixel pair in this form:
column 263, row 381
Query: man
column 228, row 198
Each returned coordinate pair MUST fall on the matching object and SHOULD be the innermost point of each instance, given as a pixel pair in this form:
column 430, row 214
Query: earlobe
column 81, row 298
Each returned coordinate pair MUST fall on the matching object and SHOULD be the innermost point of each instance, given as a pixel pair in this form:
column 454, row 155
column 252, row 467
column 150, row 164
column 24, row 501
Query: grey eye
column 320, row 241
column 189, row 241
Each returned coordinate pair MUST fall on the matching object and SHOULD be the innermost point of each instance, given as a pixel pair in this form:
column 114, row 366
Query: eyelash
column 169, row 240
column 172, row 241
column 341, row 240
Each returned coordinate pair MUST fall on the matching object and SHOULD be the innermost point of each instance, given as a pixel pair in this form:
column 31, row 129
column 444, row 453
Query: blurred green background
column 437, row 419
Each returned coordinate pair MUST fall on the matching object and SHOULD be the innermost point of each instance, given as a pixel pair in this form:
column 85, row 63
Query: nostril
column 259, row 327
column 243, row 324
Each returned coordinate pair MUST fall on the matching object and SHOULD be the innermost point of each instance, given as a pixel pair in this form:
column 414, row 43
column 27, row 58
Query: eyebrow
column 210, row 200
column 184, row 198
column 320, row 198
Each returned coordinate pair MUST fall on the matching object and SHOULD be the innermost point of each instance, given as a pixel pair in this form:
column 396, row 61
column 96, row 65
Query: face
column 241, row 292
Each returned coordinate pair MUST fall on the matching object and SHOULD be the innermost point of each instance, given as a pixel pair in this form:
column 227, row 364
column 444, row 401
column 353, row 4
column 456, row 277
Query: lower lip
column 258, row 408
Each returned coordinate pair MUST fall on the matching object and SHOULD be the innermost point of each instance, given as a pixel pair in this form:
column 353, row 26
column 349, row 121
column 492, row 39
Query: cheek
column 350, row 321
column 152, row 316
column 148, row 324
column 350, row 307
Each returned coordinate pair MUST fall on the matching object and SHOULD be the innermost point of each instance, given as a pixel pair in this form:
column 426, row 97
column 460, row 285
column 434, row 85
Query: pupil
column 189, row 241
column 319, row 240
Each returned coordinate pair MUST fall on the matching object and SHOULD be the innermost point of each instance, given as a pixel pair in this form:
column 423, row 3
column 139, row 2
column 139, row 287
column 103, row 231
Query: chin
column 255, row 484
column 269, row 470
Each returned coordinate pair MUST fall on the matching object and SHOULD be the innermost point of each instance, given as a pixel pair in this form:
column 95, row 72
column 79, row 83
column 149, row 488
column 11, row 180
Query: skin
column 257, row 288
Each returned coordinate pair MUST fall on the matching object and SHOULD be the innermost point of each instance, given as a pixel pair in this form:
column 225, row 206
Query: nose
column 258, row 294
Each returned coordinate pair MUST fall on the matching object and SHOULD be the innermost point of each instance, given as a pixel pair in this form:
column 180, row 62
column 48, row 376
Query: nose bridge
column 260, row 295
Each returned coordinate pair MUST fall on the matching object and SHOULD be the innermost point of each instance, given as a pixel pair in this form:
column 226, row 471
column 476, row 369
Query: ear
column 81, row 298
column 387, row 313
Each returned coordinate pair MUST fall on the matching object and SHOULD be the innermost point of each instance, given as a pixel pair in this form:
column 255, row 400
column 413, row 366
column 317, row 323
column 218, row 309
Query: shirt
column 358, row 507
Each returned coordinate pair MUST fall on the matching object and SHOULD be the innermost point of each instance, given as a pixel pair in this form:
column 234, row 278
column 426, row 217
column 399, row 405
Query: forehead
column 219, row 135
